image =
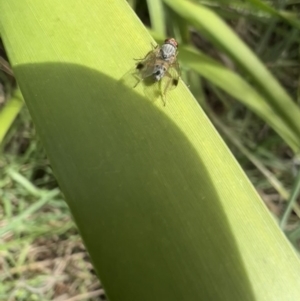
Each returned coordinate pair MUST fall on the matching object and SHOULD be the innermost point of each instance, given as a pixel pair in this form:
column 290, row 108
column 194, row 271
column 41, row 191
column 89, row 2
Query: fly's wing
column 171, row 79
column 143, row 70
column 131, row 78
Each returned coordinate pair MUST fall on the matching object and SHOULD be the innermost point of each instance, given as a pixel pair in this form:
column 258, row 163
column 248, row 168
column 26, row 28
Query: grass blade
column 218, row 32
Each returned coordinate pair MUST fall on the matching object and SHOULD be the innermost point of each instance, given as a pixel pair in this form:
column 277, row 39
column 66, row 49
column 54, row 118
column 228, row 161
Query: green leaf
column 288, row 17
column 157, row 16
column 9, row 113
column 164, row 209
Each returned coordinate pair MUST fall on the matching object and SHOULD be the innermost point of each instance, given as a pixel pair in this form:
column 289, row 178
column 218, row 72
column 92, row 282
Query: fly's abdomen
column 159, row 70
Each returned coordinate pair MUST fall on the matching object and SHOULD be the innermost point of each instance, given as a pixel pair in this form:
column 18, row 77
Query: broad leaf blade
column 165, row 211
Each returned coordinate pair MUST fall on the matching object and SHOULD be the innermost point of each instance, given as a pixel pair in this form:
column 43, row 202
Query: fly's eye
column 174, row 42
column 139, row 66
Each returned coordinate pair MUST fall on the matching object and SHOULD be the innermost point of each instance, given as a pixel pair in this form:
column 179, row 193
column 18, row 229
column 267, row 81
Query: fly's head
column 172, row 42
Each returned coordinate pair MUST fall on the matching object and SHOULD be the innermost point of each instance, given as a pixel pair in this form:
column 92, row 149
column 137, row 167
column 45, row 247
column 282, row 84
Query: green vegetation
column 163, row 207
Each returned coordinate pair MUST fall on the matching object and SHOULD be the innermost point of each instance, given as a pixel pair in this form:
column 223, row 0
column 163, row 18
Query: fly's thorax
column 167, row 51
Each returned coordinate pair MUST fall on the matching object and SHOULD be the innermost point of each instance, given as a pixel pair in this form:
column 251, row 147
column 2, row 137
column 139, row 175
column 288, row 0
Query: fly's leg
column 140, row 80
column 149, row 53
column 163, row 97
column 162, row 94
column 170, row 79
column 153, row 46
column 143, row 59
column 167, row 83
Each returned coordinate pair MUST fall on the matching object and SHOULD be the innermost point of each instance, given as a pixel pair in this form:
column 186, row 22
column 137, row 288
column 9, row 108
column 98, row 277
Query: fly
column 158, row 70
